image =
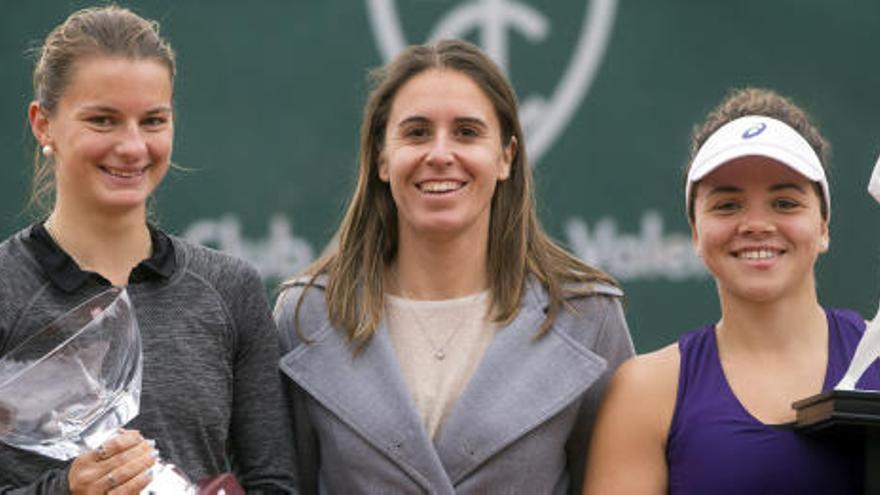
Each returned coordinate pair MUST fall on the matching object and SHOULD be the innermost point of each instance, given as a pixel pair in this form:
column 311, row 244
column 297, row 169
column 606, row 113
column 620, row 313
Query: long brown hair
column 368, row 235
column 110, row 30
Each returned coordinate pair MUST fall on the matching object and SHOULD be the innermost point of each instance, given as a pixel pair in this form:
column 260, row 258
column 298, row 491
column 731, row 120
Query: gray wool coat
column 521, row 425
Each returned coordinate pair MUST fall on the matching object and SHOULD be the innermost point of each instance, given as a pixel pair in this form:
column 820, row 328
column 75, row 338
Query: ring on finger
column 111, row 480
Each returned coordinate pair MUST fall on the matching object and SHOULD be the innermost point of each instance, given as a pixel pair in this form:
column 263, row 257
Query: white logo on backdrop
column 544, row 117
column 277, row 257
column 650, row 254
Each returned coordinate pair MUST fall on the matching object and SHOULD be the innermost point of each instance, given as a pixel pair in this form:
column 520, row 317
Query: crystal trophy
column 846, row 409
column 868, row 349
column 70, row 387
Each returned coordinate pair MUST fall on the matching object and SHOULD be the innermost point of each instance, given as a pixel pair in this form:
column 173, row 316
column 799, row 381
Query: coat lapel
column 520, row 383
column 368, row 393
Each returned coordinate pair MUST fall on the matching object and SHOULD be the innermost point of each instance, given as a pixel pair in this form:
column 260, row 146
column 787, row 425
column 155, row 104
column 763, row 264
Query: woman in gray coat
column 446, row 345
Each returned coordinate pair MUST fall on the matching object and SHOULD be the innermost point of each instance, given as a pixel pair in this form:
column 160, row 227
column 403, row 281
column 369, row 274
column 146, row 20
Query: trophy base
column 846, row 408
column 167, row 480
column 846, row 412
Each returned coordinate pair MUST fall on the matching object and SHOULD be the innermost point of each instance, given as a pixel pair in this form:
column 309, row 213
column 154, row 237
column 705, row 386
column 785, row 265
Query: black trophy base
column 844, row 408
column 846, row 412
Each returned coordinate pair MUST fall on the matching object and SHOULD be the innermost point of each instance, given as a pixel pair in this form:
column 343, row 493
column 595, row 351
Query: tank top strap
column 700, row 376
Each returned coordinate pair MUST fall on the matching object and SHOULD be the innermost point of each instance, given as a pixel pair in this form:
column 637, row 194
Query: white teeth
column 440, row 186
column 757, row 254
column 122, row 173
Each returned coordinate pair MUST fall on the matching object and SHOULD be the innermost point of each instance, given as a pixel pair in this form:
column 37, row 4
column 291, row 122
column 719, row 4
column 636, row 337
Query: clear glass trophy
column 69, row 387
column 847, row 409
column 868, row 349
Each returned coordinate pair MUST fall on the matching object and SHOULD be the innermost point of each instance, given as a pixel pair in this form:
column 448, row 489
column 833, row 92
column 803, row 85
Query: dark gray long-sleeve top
column 211, row 388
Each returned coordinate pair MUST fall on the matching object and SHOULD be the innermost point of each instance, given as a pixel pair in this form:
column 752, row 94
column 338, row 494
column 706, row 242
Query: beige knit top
column 439, row 345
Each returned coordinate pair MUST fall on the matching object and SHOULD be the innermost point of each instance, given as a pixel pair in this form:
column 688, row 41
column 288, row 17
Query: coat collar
column 520, row 383
column 367, row 391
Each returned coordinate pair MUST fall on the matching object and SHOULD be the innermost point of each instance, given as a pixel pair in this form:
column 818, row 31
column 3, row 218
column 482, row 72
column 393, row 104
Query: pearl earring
column 47, row 150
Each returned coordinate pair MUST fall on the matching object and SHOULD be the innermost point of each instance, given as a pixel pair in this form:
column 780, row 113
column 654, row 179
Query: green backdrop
column 269, row 97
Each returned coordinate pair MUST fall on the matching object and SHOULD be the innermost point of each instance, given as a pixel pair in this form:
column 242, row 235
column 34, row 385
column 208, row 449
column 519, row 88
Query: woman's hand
column 119, row 466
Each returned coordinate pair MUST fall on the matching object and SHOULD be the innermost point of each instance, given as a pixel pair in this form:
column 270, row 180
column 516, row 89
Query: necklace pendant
column 440, row 354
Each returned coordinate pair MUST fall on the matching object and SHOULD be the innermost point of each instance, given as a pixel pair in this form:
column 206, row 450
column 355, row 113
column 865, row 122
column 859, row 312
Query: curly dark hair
column 759, row 101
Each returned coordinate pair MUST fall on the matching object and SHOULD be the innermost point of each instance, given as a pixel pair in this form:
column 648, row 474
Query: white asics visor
column 755, row 135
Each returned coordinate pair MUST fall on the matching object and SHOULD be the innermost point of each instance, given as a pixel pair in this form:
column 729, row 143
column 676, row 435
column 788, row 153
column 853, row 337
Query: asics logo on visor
column 754, row 130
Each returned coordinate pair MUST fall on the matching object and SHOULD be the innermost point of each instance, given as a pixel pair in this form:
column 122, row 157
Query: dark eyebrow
column 106, row 109
column 787, row 185
column 421, row 119
column 99, row 108
column 474, row 121
column 415, row 119
column 724, row 190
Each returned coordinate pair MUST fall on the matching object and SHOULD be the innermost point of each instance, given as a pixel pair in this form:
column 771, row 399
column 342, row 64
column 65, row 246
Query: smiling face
column 443, row 155
column 759, row 229
column 111, row 132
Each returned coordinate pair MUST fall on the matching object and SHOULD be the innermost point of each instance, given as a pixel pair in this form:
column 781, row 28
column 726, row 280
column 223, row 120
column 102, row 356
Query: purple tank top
column 716, row 446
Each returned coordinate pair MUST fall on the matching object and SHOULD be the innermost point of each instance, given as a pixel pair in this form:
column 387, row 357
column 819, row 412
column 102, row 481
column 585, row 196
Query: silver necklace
column 439, row 351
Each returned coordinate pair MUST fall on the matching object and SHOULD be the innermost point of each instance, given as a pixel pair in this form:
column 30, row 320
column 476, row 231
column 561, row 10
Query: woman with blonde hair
column 211, row 400
column 446, row 345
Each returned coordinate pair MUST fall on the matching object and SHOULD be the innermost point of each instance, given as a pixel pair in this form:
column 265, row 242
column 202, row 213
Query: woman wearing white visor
column 712, row 413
